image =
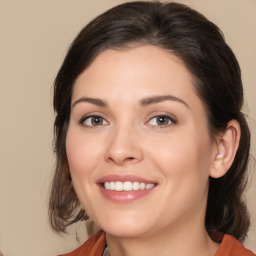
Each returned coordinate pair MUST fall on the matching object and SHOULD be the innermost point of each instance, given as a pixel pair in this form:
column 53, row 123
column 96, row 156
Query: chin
column 125, row 232
column 120, row 227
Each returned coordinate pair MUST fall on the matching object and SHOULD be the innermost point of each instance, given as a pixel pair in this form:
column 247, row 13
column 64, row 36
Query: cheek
column 81, row 150
column 81, row 155
column 183, row 158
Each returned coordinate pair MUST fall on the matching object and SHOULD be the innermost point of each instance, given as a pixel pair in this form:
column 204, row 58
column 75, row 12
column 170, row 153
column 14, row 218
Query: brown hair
column 217, row 79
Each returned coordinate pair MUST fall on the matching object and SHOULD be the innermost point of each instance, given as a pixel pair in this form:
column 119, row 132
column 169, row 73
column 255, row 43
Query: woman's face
column 138, row 145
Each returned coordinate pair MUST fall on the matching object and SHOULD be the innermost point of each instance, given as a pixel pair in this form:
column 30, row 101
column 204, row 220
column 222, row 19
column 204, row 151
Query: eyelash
column 171, row 120
column 85, row 118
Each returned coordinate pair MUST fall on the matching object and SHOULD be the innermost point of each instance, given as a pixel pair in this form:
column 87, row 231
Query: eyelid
column 173, row 119
column 90, row 115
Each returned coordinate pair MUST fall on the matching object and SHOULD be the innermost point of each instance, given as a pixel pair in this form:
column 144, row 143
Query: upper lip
column 124, row 178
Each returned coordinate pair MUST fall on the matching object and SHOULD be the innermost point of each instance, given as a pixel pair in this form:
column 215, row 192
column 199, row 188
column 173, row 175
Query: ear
column 227, row 145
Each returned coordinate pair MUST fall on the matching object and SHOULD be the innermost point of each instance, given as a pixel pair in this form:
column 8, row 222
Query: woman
column 150, row 140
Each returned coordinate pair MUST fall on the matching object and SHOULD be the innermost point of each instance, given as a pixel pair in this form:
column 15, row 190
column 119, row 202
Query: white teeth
column 149, row 186
column 112, row 185
column 142, row 186
column 107, row 185
column 136, row 186
column 119, row 186
column 127, row 185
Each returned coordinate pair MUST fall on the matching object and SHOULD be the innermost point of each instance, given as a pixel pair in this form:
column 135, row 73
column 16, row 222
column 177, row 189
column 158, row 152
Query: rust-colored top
column 231, row 247
column 96, row 244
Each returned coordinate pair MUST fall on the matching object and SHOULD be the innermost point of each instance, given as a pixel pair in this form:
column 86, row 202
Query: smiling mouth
column 127, row 186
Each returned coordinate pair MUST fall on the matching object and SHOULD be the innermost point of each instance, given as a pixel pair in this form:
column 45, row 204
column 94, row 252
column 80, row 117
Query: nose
column 123, row 147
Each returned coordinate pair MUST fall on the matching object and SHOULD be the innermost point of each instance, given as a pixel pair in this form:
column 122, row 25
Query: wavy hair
column 200, row 44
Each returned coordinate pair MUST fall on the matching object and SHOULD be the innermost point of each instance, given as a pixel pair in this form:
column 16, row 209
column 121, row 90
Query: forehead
column 144, row 67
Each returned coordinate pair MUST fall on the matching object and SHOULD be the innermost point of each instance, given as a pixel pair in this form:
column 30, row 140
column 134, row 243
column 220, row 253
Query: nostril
column 130, row 158
column 121, row 159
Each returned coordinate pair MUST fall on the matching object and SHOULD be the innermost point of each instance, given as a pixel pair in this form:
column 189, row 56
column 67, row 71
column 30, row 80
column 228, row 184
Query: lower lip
column 124, row 196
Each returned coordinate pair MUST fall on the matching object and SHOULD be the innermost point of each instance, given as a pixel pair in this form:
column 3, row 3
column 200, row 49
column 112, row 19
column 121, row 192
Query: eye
column 94, row 120
column 161, row 120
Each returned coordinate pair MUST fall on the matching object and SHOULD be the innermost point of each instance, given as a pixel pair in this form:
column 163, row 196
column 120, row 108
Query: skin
column 179, row 156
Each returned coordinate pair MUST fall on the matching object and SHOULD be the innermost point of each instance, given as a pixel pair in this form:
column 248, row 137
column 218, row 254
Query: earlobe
column 227, row 146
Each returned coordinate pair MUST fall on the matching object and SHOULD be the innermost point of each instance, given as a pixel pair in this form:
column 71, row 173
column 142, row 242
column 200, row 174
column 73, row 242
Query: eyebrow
column 157, row 99
column 97, row 102
column 143, row 102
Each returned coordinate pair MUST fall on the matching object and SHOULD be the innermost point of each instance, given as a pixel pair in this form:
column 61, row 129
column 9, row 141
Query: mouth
column 125, row 189
column 127, row 185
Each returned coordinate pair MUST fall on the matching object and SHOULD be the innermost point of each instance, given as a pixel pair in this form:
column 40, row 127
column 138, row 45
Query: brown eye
column 161, row 120
column 93, row 121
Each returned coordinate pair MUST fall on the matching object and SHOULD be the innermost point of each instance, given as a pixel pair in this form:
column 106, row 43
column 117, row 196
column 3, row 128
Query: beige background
column 34, row 37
